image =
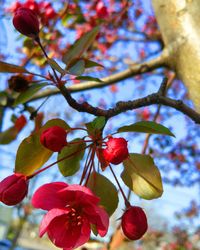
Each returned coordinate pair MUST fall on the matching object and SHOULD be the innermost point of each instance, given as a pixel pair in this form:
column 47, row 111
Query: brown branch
column 156, row 98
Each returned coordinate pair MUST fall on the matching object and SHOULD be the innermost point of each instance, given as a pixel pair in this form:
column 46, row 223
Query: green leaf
column 105, row 190
column 96, row 125
column 26, row 95
column 90, row 64
column 3, row 98
column 146, row 127
column 11, row 68
column 80, row 46
column 142, row 176
column 56, row 66
column 77, row 68
column 71, row 165
column 8, row 135
column 31, row 154
column 88, row 78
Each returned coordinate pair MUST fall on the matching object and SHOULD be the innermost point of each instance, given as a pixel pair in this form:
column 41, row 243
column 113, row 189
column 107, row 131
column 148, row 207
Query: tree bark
column 179, row 25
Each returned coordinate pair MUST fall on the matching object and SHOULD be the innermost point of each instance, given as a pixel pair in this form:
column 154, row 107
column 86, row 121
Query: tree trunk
column 179, row 22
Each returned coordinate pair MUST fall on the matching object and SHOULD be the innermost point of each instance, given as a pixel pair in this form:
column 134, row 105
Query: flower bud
column 26, row 22
column 116, row 151
column 54, row 138
column 134, row 223
column 13, row 189
column 18, row 83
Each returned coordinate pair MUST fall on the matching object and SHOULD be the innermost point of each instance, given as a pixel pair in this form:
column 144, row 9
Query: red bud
column 116, row 151
column 13, row 189
column 26, row 22
column 134, row 223
column 54, row 138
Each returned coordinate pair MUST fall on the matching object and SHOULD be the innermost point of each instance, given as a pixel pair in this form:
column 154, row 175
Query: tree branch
column 133, row 70
column 156, row 98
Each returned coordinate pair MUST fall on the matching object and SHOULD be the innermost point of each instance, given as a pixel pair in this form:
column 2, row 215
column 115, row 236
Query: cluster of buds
column 73, row 209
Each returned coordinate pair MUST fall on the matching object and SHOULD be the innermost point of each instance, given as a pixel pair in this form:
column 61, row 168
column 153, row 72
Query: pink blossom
column 72, row 210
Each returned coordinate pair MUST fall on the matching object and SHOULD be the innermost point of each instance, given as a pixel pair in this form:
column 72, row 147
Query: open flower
column 72, row 210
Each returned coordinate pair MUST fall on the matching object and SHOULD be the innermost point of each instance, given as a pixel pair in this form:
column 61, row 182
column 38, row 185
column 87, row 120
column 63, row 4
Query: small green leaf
column 31, row 154
column 88, row 78
column 11, row 68
column 90, row 64
column 3, row 98
column 26, row 95
column 105, row 190
column 80, row 46
column 96, row 125
column 71, row 165
column 77, row 68
column 142, row 176
column 56, row 66
column 8, row 135
column 146, row 127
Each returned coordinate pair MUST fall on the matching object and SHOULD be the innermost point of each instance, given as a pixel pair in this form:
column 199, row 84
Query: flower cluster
column 73, row 211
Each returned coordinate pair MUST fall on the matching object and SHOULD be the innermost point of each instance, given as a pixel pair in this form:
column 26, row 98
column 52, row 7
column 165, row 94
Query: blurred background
column 129, row 35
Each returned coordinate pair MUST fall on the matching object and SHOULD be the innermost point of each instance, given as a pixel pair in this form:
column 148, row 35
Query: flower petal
column 63, row 235
column 46, row 197
column 85, row 233
column 49, row 217
column 81, row 195
column 99, row 217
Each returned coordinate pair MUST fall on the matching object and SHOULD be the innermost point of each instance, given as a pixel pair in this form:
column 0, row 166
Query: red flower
column 134, row 223
column 72, row 209
column 54, row 138
column 13, row 189
column 26, row 22
column 116, row 151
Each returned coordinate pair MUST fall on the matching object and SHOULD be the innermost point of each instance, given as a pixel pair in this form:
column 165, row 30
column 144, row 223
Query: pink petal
column 51, row 215
column 78, row 194
column 99, row 217
column 85, row 233
column 66, row 236
column 46, row 197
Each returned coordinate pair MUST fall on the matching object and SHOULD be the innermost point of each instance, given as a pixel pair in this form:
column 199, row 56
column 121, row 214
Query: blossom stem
column 37, row 39
column 87, row 163
column 52, row 164
column 127, row 203
column 79, row 142
column 91, row 166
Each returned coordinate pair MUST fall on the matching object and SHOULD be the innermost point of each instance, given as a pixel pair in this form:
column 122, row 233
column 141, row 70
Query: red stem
column 87, row 164
column 64, row 158
column 91, row 166
column 127, row 203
